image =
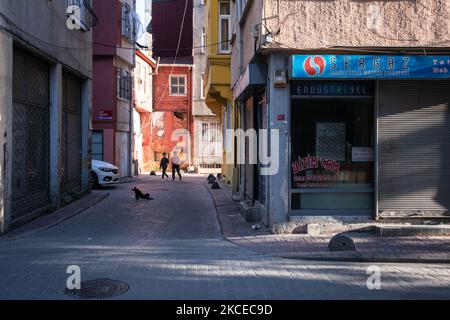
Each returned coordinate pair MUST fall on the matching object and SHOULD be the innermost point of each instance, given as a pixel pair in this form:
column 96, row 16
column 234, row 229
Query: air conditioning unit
column 280, row 78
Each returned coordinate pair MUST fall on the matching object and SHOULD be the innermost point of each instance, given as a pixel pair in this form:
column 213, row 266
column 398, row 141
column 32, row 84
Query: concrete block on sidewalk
column 215, row 186
column 341, row 243
column 250, row 213
column 211, row 180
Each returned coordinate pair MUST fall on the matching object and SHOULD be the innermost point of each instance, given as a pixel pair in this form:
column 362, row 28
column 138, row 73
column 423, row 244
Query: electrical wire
column 284, row 46
column 176, row 52
column 11, row 23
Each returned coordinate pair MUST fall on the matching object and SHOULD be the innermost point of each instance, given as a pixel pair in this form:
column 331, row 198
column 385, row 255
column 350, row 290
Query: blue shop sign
column 369, row 67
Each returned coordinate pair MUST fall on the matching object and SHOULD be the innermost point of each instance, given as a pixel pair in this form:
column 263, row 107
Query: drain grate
column 99, row 289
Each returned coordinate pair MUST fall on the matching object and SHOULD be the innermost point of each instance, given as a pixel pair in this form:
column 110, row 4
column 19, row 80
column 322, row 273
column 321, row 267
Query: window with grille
column 124, row 80
column 127, row 22
column 210, row 140
column 87, row 17
column 177, row 85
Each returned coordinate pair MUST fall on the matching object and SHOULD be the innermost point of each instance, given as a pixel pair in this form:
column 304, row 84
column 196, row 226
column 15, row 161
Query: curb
column 368, row 259
column 354, row 256
column 130, row 180
column 58, row 220
column 219, row 221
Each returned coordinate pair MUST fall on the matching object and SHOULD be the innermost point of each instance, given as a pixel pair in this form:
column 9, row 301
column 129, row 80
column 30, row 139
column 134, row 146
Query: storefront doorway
column 332, row 148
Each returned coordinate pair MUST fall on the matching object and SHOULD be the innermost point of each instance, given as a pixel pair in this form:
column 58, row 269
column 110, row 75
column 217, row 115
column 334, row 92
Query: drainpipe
column 131, row 125
column 131, row 128
column 376, row 164
column 241, row 43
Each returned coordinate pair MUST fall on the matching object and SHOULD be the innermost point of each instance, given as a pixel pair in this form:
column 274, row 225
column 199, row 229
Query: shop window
column 332, row 153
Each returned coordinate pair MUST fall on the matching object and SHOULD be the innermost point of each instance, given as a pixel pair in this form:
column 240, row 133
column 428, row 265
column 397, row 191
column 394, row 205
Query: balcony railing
column 88, row 18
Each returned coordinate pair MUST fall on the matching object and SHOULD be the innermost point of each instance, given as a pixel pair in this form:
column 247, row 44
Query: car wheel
column 94, row 181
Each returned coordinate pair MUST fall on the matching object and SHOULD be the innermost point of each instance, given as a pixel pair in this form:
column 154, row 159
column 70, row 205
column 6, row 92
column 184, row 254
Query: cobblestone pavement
column 172, row 248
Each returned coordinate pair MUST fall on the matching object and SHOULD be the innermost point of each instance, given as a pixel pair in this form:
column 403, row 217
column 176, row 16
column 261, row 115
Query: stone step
column 359, row 226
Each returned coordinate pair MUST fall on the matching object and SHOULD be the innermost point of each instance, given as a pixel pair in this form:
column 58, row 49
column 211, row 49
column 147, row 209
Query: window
column 127, row 22
column 332, row 148
column 144, row 78
column 202, row 86
column 177, row 85
column 203, row 41
column 124, row 79
column 97, row 145
column 139, row 77
column 224, row 26
column 210, row 143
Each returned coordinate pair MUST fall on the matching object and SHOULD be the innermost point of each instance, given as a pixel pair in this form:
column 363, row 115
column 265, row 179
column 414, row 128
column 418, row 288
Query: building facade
column 207, row 140
column 217, row 77
column 172, row 121
column 114, row 61
column 143, row 107
column 360, row 105
column 143, row 92
column 173, row 95
column 45, row 94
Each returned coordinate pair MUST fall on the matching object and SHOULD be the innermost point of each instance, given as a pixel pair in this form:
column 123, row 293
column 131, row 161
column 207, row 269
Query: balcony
column 87, row 18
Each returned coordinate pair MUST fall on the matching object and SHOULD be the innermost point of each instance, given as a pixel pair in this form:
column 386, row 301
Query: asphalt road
column 172, row 248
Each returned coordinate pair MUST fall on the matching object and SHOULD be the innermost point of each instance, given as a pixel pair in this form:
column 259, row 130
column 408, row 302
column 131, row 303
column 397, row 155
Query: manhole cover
column 99, row 289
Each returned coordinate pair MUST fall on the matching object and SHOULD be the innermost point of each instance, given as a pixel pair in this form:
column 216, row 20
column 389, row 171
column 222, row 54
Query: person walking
column 176, row 162
column 163, row 165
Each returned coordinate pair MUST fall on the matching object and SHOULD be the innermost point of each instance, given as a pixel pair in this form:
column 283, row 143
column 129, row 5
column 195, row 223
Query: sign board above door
column 369, row 67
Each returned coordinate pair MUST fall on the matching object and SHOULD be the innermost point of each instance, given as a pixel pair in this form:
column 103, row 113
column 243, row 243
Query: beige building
column 355, row 90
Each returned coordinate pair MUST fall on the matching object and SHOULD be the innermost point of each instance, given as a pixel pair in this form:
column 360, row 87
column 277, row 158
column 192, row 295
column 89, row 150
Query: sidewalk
column 307, row 247
column 56, row 217
column 131, row 179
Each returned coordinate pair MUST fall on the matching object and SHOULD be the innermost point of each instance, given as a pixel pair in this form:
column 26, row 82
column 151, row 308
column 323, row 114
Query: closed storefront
column 370, row 135
column 31, row 134
column 71, row 135
column 414, row 147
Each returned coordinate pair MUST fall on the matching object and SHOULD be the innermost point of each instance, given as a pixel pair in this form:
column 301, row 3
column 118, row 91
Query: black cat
column 140, row 195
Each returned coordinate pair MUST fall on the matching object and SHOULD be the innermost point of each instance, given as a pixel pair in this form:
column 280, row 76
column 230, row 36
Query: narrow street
column 172, row 248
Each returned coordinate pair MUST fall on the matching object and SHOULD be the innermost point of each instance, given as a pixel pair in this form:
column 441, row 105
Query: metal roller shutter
column 71, row 135
column 31, row 134
column 414, row 148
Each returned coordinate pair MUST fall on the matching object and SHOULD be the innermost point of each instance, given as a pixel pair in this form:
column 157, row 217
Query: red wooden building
column 172, row 123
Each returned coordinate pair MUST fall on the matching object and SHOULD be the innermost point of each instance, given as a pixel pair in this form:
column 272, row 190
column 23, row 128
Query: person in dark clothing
column 163, row 165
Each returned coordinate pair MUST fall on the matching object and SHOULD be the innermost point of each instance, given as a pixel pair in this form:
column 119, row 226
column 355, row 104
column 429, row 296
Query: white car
column 104, row 173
